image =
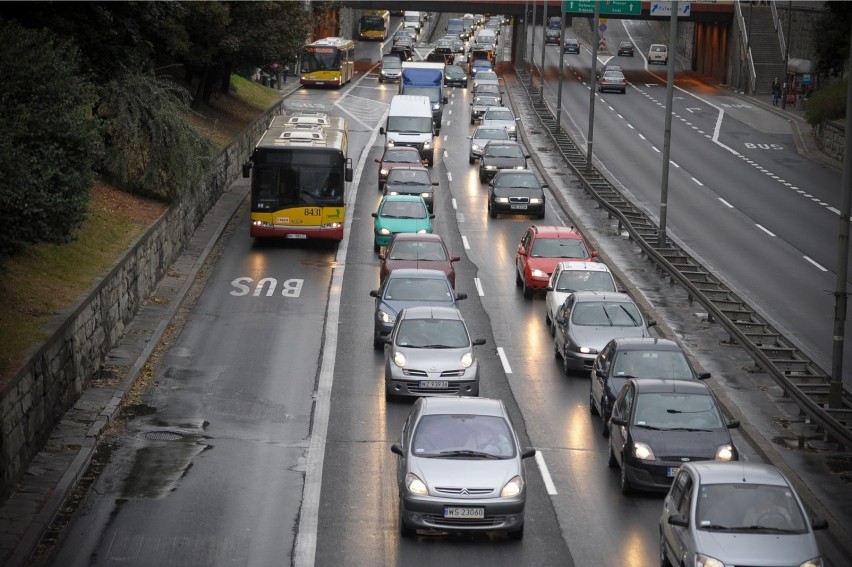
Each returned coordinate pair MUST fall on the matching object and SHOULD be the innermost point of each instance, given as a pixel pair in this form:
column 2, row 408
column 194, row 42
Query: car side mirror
column 431, row 216
column 478, row 342
column 460, row 296
column 528, row 452
column 595, row 254
column 617, row 420
column 435, row 184
column 375, row 293
column 549, row 288
column 818, row 523
column 396, row 448
column 678, row 520
column 247, row 169
column 455, row 258
column 544, row 185
column 377, row 160
column 600, row 373
column 704, row 376
column 527, row 156
column 733, row 424
column 374, row 215
column 445, row 100
column 381, row 256
column 521, row 251
column 651, row 323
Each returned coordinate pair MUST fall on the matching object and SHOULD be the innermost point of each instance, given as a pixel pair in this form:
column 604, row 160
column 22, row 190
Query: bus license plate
column 426, row 384
column 464, row 513
column 519, row 207
column 297, row 236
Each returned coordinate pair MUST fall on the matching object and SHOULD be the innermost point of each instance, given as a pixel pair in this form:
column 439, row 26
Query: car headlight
column 427, row 145
column 399, row 358
column 501, row 199
column 511, row 128
column 815, row 562
column 475, row 147
column 520, row 167
column 447, row 78
column 513, row 487
column 387, row 318
column 426, row 195
column 435, row 106
column 384, row 231
column 415, row 485
column 393, row 192
column 390, row 143
column 536, row 201
column 587, row 350
column 725, row 453
column 702, row 560
column 643, row 452
column 490, row 167
column 422, row 231
column 384, row 72
column 536, row 273
column 467, row 359
column 383, row 171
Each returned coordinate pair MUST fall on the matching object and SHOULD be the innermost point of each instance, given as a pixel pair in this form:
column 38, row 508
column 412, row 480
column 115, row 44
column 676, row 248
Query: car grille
column 423, row 374
column 678, row 459
column 451, row 389
column 456, row 491
column 488, row 521
column 519, row 199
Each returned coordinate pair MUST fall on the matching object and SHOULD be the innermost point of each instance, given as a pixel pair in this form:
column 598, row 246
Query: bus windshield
column 372, row 23
column 278, row 187
column 320, row 59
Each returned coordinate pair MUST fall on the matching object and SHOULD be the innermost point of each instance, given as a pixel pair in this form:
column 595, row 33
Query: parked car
column 518, row 192
column 574, row 275
column 481, row 136
column 541, row 249
column 571, row 45
column 658, row 53
column 391, row 69
column 587, row 320
column 552, row 36
column 411, row 180
column 498, row 116
column 499, row 155
column 736, row 514
column 430, row 353
column 409, row 287
column 624, row 358
column 396, row 156
column 469, row 445
column 480, row 104
column 626, row 48
column 426, row 251
column 454, row 75
column 612, row 81
column 400, row 213
column 658, row 425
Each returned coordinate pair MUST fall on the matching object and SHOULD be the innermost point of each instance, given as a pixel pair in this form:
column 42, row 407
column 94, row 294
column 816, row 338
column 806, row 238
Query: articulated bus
column 374, row 25
column 329, row 61
column 299, row 170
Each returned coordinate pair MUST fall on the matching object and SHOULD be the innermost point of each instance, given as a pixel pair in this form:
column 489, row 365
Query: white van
column 412, row 20
column 410, row 123
column 485, row 36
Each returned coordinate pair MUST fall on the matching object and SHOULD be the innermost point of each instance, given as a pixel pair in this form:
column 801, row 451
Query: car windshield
column 486, row 101
column 410, row 124
column 403, row 210
column 669, row 364
column 503, row 151
column 743, row 508
column 606, row 314
column 518, row 180
column 482, row 63
column 392, row 62
column 401, row 156
column 408, row 177
column 454, row 70
column 410, row 250
column 463, row 437
column 491, row 134
column 584, row 280
column 418, row 289
column 432, row 333
column 658, row 48
column 499, row 115
column 487, row 88
column 486, row 76
column 559, row 248
column 673, row 411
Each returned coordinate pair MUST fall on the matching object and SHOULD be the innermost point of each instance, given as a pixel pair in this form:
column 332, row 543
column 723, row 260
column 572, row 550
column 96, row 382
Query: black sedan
column 634, row 357
column 412, row 180
column 626, row 48
column 571, row 45
column 657, row 425
column 516, row 191
column 499, row 155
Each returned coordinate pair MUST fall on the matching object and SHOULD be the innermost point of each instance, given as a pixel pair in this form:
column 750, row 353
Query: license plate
column 473, row 513
column 672, row 471
column 297, row 236
column 519, row 207
column 433, row 383
column 319, row 83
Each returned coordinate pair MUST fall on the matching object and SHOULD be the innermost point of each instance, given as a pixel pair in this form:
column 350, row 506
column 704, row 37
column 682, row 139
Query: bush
column 50, row 145
column 828, row 103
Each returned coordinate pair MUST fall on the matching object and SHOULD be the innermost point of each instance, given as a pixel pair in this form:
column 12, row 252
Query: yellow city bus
column 329, row 61
column 299, row 170
column 374, row 25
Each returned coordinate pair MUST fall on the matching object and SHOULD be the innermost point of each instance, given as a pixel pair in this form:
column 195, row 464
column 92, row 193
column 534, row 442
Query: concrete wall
column 51, row 381
column 831, row 137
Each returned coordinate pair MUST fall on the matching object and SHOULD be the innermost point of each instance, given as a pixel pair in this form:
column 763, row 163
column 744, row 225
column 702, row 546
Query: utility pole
column 787, row 54
column 561, row 72
column 543, row 50
column 593, row 81
column 667, row 136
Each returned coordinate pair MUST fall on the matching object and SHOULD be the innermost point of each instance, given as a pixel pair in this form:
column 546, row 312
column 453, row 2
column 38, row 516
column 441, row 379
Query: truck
column 425, row 79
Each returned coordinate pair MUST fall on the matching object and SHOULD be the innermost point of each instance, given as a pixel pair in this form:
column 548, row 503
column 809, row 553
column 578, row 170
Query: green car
column 454, row 75
column 400, row 213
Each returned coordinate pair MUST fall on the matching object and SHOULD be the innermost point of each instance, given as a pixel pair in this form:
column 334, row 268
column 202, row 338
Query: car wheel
column 404, row 530
column 604, row 420
column 565, row 369
column 664, row 560
column 557, row 354
column 547, row 320
column 592, row 408
column 518, row 279
column 376, row 247
column 471, row 160
column 540, row 215
column 552, row 329
column 481, row 177
column 517, row 534
column 491, row 212
column 378, row 343
column 611, row 462
column 528, row 293
column 472, row 120
column 625, row 483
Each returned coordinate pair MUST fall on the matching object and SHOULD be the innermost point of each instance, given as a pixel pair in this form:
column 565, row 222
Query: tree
column 50, row 146
column 831, row 44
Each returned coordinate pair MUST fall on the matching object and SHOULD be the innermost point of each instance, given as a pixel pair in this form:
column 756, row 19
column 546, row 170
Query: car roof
column 418, row 273
column 646, row 343
column 431, row 312
column 419, row 237
column 408, row 167
column 614, row 296
column 571, row 40
column 502, row 143
column 660, row 386
column 487, row 129
column 554, row 231
column 739, row 472
column 577, row 265
column 408, row 149
column 411, row 198
column 500, row 108
column 462, row 405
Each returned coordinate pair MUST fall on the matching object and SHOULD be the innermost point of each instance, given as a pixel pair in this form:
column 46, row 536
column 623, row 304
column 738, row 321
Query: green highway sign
column 608, row 7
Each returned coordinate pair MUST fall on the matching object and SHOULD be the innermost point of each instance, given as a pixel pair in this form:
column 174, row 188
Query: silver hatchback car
column 460, row 468
column 430, row 353
column 741, row 513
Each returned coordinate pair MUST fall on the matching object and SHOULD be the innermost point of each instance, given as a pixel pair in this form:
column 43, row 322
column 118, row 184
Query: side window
column 628, row 401
column 605, row 359
column 677, row 488
column 525, row 242
column 686, row 500
column 618, row 407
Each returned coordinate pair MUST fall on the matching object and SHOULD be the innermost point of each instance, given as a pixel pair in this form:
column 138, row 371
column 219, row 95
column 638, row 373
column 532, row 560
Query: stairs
column 763, row 39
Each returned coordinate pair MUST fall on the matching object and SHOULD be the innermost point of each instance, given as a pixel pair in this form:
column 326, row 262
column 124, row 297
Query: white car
column 574, row 276
column 500, row 116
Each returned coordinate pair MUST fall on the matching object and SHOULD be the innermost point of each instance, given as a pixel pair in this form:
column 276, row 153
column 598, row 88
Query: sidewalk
column 55, row 471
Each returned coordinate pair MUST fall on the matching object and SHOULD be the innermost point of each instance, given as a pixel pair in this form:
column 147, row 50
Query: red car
column 541, row 249
column 423, row 251
column 396, row 156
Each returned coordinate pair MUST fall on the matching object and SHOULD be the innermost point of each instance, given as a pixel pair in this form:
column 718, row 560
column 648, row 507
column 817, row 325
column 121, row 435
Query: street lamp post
column 667, row 136
column 543, row 50
column 561, row 72
column 592, row 79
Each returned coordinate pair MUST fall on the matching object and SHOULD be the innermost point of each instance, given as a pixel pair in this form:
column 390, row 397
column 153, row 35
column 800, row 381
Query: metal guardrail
column 798, row 375
column 745, row 47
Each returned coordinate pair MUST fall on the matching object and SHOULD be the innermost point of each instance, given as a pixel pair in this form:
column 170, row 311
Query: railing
column 746, row 48
column 776, row 21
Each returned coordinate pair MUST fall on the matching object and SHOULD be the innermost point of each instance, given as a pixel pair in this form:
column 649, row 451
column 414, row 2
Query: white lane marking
column 450, row 175
column 453, row 201
column 655, row 149
column 479, row 290
column 631, row 127
column 504, row 361
column 445, row 137
column 764, row 229
column 833, row 210
column 815, row 264
column 446, row 155
column 450, row 111
column 545, row 474
column 465, row 243
column 674, row 164
column 696, row 181
column 727, row 204
column 642, row 136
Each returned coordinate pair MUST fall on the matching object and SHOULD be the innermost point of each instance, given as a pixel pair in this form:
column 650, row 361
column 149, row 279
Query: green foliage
column 828, row 103
column 153, row 149
column 831, row 44
column 50, row 144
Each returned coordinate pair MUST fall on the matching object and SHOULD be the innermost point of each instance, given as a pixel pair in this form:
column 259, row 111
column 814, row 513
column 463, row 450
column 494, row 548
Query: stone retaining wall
column 831, row 137
column 51, row 381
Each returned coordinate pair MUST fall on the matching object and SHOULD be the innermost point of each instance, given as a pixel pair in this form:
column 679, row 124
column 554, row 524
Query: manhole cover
column 163, row 436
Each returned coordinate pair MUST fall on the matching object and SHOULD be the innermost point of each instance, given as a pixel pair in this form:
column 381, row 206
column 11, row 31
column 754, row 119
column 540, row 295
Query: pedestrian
column 776, row 91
